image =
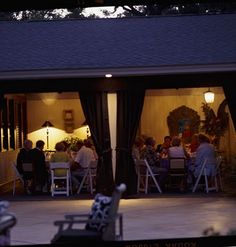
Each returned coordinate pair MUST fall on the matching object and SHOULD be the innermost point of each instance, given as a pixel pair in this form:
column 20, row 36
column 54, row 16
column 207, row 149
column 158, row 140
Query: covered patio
column 164, row 217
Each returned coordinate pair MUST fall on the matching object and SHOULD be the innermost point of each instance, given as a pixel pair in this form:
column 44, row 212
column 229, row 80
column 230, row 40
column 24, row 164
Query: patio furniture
column 7, row 221
column 89, row 178
column 177, row 172
column 145, row 176
column 203, row 175
column 60, row 178
column 104, row 223
column 17, row 176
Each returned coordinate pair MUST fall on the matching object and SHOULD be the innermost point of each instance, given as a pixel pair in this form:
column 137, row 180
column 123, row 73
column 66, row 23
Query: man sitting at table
column 81, row 162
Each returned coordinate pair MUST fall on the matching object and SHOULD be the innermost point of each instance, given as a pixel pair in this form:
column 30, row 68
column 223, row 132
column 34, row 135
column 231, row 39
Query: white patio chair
column 177, row 170
column 103, row 223
column 60, row 172
column 144, row 172
column 203, row 174
column 220, row 162
column 17, row 176
column 89, row 178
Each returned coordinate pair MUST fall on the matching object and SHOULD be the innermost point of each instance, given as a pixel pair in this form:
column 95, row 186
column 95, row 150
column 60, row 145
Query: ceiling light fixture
column 209, row 96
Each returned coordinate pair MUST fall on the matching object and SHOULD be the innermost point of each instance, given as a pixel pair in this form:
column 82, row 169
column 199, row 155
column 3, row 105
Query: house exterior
column 141, row 53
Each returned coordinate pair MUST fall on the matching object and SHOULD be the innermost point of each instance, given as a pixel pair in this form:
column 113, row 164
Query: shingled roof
column 90, row 47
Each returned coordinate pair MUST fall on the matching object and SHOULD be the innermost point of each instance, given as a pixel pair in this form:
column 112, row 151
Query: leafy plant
column 71, row 142
column 215, row 125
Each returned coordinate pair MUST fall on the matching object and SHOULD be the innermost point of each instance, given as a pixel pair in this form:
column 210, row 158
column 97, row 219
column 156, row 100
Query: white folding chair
column 177, row 169
column 219, row 163
column 201, row 174
column 144, row 172
column 60, row 172
column 89, row 178
column 17, row 176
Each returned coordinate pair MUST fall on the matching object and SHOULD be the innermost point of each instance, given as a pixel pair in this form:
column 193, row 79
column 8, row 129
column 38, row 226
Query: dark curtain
column 129, row 109
column 95, row 108
column 230, row 95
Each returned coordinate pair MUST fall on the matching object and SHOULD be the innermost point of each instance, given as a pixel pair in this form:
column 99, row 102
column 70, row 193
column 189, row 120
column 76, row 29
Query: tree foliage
column 128, row 11
column 215, row 125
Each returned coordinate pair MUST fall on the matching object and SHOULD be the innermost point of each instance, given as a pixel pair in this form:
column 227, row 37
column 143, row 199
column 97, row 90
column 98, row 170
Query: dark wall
column 224, row 79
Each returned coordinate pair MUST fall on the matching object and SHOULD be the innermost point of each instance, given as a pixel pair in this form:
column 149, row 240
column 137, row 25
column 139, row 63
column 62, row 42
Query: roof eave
column 116, row 72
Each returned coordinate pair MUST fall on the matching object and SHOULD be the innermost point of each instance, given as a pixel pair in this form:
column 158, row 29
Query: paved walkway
column 152, row 217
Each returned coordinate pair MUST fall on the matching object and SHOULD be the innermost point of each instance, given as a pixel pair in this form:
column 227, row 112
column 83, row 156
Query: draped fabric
column 129, row 109
column 95, row 108
column 230, row 93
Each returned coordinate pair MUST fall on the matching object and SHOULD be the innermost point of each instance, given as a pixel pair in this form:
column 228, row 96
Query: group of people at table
column 38, row 180
column 194, row 154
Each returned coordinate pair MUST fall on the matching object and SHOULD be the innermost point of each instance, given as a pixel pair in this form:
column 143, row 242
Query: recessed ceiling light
column 108, row 75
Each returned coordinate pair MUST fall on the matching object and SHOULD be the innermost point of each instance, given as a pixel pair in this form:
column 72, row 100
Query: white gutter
column 116, row 72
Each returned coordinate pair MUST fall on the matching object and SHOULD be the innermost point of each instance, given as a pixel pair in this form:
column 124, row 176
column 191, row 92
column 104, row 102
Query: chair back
column 144, row 172
column 202, row 173
column 177, row 166
column 219, row 166
column 93, row 167
column 141, row 167
column 89, row 177
column 16, row 172
column 109, row 233
column 59, row 165
column 60, row 171
column 103, row 223
column 17, row 176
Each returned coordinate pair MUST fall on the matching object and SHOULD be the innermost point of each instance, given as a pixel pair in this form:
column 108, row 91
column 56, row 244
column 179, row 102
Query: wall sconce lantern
column 47, row 124
column 209, row 96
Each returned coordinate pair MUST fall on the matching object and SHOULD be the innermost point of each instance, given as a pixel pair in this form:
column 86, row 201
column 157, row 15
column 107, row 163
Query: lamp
column 209, row 96
column 47, row 124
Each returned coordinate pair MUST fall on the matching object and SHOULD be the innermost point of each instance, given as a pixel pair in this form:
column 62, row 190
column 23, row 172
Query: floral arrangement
column 71, row 141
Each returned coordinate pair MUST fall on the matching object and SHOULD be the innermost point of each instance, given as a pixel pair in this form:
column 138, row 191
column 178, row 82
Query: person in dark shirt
column 24, row 157
column 40, row 171
column 162, row 149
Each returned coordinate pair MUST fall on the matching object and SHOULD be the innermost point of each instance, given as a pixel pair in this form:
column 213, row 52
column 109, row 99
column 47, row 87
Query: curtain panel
column 95, row 108
column 230, row 93
column 129, row 110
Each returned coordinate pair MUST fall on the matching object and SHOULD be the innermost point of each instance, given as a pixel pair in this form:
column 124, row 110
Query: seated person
column 178, row 151
column 205, row 150
column 82, row 160
column 24, row 157
column 40, row 171
column 60, row 156
column 194, row 143
column 149, row 153
column 137, row 148
column 89, row 144
column 162, row 149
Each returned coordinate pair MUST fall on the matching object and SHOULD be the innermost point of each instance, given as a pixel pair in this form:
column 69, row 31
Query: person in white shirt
column 177, row 150
column 81, row 162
